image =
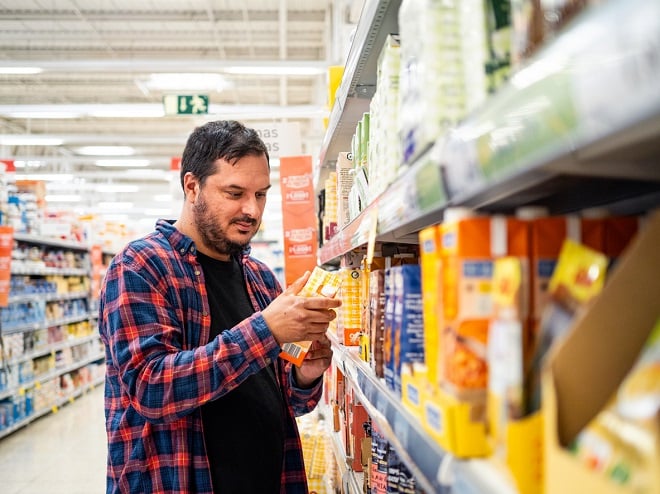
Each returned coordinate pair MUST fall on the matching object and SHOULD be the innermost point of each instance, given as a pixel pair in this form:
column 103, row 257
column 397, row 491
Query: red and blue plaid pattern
column 154, row 319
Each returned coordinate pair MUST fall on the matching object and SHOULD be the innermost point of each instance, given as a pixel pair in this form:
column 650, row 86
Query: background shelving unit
column 603, row 74
column 68, row 354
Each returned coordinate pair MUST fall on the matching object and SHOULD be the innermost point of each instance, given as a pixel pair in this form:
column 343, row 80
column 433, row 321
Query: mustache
column 244, row 219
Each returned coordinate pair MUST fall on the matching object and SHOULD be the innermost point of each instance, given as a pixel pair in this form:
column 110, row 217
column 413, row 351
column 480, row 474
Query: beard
column 213, row 235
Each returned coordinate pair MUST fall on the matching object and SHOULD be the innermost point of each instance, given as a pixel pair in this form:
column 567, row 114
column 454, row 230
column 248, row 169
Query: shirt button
column 197, row 273
column 192, row 250
column 205, row 313
column 183, row 251
column 268, row 360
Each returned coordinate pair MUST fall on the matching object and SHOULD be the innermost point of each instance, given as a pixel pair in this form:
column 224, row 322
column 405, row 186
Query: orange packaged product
column 320, row 283
column 470, row 244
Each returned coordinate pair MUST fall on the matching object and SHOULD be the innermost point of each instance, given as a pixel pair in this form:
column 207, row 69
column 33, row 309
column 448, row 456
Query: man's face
column 229, row 207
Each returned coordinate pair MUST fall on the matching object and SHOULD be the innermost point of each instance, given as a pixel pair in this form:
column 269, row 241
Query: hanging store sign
column 281, row 139
column 298, row 216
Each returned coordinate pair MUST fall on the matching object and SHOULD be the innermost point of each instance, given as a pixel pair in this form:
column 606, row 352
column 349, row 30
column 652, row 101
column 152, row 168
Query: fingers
column 297, row 285
column 321, row 303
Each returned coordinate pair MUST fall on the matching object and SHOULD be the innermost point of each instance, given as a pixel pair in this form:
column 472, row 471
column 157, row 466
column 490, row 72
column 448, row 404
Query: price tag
column 54, row 409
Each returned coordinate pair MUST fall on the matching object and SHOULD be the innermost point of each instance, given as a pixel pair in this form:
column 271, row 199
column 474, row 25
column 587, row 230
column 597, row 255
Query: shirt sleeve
column 163, row 376
column 302, row 400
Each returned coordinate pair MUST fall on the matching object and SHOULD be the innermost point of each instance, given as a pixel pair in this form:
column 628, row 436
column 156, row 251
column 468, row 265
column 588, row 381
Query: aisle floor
column 63, row 452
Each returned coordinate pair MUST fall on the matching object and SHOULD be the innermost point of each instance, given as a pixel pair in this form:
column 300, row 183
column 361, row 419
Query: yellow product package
column 320, row 283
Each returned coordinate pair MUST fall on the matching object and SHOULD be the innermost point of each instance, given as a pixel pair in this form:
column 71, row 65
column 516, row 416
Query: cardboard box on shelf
column 584, row 372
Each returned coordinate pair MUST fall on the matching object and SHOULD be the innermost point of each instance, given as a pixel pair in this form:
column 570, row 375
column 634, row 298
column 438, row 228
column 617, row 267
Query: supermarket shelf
column 48, row 297
column 47, row 271
column 435, row 469
column 353, row 480
column 552, row 136
column 44, row 411
column 51, row 375
column 45, row 324
column 53, row 242
column 378, row 19
column 52, row 348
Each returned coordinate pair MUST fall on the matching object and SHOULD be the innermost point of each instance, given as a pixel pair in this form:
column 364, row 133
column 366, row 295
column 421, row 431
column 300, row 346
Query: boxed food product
column 320, row 283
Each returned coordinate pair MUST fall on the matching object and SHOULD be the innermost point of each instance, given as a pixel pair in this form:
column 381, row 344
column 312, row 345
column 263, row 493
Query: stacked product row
column 461, row 330
column 445, row 62
column 365, row 448
column 50, row 351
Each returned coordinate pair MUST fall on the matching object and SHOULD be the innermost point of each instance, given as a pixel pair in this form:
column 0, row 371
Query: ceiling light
column 110, row 188
column 115, row 205
column 163, row 198
column 125, row 163
column 274, row 70
column 21, row 70
column 46, row 177
column 29, row 140
column 186, row 81
column 106, row 150
column 44, row 114
column 63, row 198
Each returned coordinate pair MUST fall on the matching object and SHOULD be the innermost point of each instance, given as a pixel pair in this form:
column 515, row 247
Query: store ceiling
column 97, row 66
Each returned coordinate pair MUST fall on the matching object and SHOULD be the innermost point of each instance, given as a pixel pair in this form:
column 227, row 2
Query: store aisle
column 63, row 452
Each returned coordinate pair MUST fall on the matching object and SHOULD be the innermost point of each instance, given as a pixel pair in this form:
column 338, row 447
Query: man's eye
column 261, row 195
column 234, row 195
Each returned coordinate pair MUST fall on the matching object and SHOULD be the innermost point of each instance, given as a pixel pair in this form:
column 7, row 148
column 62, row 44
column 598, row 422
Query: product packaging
column 320, row 283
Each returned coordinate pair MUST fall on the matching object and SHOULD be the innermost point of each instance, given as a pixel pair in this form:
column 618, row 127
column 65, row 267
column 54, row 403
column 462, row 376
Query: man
column 197, row 400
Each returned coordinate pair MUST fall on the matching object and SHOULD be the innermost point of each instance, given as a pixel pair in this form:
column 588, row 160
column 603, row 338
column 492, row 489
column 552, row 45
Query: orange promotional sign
column 6, row 247
column 298, row 216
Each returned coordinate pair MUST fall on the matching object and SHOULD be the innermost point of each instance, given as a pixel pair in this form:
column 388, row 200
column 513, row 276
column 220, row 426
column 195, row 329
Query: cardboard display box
column 584, row 372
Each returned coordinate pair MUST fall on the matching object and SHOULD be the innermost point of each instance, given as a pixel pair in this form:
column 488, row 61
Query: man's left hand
column 316, row 361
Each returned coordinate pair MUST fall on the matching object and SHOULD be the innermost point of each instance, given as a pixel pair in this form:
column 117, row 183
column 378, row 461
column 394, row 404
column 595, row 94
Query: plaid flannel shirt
column 155, row 322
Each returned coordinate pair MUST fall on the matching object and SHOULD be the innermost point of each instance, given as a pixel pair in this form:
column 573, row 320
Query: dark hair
column 223, row 139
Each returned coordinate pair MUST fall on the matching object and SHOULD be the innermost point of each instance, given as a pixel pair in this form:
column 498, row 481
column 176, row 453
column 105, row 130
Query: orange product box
column 470, row 246
column 320, row 283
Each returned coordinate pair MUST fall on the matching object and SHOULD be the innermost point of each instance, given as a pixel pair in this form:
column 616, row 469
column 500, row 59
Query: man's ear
column 190, row 187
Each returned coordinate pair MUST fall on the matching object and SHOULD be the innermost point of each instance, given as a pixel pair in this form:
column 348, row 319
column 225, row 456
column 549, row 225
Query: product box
column 430, row 241
column 376, row 319
column 586, row 369
column 408, row 335
column 350, row 313
column 321, row 283
column 344, row 184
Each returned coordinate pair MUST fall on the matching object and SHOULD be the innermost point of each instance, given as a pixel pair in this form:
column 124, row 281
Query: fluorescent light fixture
column 29, row 164
column 151, row 175
column 163, row 198
column 145, row 110
column 115, row 205
column 35, row 114
column 186, row 81
column 46, row 177
column 111, row 188
column 63, row 198
column 106, row 150
column 21, row 70
column 274, row 70
column 29, row 140
column 129, row 163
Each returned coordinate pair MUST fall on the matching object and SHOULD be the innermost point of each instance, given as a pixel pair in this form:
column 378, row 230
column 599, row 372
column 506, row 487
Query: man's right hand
column 292, row 317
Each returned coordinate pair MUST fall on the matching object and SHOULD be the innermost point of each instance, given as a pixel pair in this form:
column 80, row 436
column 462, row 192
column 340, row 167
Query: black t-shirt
column 244, row 429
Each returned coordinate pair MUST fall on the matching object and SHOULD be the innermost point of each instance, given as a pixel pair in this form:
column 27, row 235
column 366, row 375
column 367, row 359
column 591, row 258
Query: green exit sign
column 186, row 104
